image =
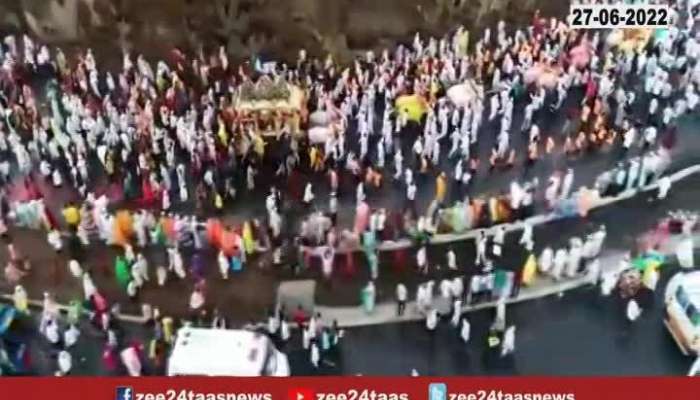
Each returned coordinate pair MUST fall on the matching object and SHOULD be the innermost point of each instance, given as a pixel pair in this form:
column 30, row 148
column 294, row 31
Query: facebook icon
column 125, row 393
column 437, row 391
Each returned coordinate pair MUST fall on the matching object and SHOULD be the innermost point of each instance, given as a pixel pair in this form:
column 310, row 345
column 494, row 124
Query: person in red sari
column 109, row 359
column 399, row 260
column 591, row 89
column 149, row 195
column 349, row 264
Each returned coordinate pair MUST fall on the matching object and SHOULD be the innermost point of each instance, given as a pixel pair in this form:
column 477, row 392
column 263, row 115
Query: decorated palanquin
column 630, row 40
column 270, row 104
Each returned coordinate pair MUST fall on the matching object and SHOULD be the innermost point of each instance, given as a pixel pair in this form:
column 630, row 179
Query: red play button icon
column 301, row 394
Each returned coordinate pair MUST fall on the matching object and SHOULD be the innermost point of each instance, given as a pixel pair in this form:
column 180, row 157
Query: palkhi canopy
column 295, row 102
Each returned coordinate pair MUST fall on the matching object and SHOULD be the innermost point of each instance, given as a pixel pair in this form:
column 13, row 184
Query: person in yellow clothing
column 441, row 188
column 218, row 202
column 529, row 270
column 168, row 333
column 259, row 145
column 222, row 132
column 71, row 215
column 313, row 151
column 19, row 299
column 315, row 158
column 248, row 240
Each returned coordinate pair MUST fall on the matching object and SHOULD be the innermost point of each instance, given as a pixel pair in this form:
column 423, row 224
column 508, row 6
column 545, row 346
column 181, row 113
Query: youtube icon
column 301, row 394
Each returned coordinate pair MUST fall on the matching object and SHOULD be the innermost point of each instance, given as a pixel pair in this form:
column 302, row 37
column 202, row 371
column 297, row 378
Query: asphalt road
column 580, row 333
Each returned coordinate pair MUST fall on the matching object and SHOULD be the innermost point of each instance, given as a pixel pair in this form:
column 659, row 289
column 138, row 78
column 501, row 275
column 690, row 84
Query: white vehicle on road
column 221, row 352
column 683, row 311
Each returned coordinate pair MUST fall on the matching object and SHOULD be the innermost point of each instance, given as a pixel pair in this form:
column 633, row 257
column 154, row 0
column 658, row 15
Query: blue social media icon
column 437, row 391
column 125, row 393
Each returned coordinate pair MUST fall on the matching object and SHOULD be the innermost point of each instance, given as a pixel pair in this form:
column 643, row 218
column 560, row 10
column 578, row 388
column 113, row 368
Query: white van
column 683, row 311
column 221, row 352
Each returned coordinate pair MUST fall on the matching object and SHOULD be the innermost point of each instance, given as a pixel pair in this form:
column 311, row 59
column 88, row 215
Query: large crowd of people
column 172, row 147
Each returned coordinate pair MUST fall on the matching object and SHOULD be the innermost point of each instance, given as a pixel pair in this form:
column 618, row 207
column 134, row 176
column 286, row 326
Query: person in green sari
column 75, row 310
column 368, row 297
column 369, row 242
column 500, row 280
column 121, row 272
column 373, row 262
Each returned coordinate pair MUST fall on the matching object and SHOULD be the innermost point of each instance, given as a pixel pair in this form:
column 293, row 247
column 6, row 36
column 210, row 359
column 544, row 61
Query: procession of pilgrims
column 156, row 155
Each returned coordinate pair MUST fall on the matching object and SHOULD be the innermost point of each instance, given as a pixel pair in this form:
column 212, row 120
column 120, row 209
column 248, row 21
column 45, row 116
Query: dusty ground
column 272, row 27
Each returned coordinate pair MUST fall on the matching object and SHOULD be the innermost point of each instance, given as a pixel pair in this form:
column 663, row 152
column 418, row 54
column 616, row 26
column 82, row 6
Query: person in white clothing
column 546, row 260
column 499, row 237
column 273, row 323
column 633, row 310
column 308, row 194
column 508, row 346
column 65, row 363
column 567, row 184
column 315, row 355
column 161, row 275
column 526, row 240
column 284, row 330
column 421, row 298
column 695, row 368
column 139, row 270
column 422, row 260
column 560, row 258
column 70, row 336
column 223, row 264
column 445, row 289
column 499, row 322
column 457, row 287
column 481, row 248
column 401, row 298
column 451, row 259
column 75, row 269
column 89, row 288
column 465, row 332
column 456, row 313
column 176, row 263
column 305, row 338
column 196, row 300
column 664, row 187
column 431, row 319
column 608, row 283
